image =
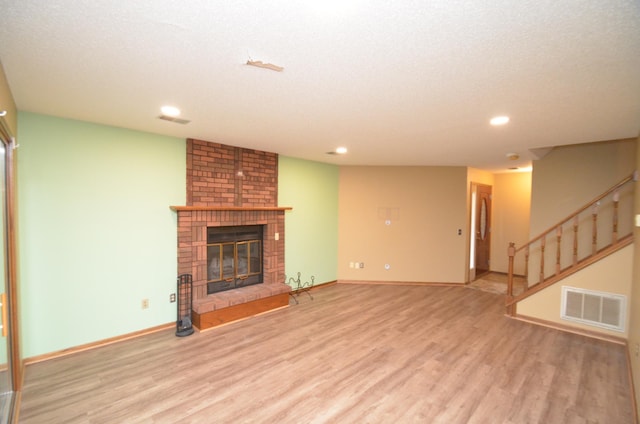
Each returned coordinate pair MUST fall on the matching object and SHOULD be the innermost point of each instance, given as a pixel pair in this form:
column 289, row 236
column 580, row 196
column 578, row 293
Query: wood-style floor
column 354, row 354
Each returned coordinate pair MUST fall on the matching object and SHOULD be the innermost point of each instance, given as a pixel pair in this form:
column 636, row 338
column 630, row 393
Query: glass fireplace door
column 234, row 257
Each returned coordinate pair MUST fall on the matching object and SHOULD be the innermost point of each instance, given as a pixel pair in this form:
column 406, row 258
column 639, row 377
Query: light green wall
column 311, row 228
column 96, row 235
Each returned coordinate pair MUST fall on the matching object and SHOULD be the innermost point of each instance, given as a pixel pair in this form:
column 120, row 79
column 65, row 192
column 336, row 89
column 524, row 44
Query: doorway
column 480, row 240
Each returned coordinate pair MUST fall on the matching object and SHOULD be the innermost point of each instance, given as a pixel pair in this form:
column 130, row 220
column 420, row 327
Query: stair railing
column 597, row 231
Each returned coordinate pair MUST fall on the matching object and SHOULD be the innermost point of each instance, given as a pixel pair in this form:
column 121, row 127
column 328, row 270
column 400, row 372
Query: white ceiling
column 397, row 82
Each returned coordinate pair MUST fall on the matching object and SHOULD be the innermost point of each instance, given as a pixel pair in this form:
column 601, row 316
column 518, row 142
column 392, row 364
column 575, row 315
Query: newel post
column 511, row 308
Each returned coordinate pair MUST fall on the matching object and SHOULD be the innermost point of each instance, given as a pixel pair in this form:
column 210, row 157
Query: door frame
column 473, row 212
column 8, row 140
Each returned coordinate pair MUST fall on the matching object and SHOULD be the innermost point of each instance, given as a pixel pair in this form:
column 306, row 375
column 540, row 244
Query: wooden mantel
column 229, row 208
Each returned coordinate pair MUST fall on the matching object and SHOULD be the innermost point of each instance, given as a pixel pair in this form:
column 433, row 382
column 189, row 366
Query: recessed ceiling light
column 170, row 111
column 338, row 151
column 499, row 120
column 513, row 156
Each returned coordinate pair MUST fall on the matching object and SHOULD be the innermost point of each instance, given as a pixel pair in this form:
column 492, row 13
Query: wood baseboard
column 401, row 283
column 234, row 313
column 570, row 329
column 315, row 287
column 237, row 312
column 81, row 348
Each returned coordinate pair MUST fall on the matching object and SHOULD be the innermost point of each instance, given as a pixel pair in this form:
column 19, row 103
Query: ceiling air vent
column 600, row 309
column 172, row 119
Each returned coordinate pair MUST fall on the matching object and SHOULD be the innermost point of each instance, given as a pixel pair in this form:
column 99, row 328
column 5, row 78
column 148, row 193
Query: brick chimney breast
column 220, row 175
column 230, row 186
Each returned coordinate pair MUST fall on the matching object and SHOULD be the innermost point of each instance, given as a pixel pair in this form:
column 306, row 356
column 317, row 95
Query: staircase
column 596, row 230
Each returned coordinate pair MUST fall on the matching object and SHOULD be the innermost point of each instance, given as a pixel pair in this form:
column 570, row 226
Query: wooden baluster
column 558, row 247
column 575, row 239
column 616, row 200
column 526, row 263
column 543, row 242
column 511, row 251
column 594, row 237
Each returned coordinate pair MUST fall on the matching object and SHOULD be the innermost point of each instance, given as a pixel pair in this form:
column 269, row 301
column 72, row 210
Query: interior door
column 482, row 229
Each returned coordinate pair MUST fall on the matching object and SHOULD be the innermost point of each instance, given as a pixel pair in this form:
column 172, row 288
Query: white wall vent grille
column 605, row 310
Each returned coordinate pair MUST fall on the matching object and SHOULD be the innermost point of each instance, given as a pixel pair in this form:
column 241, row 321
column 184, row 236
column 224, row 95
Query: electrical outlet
column 361, row 265
column 145, row 303
column 172, row 297
column 637, row 352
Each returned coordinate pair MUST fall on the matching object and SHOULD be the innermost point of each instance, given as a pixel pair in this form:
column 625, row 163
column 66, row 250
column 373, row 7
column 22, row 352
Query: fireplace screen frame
column 239, row 250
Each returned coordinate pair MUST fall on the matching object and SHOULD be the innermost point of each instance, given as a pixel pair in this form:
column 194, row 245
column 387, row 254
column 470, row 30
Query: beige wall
column 571, row 176
column 563, row 181
column 511, row 209
column 511, row 201
column 424, row 206
column 479, row 176
column 611, row 275
column 7, row 104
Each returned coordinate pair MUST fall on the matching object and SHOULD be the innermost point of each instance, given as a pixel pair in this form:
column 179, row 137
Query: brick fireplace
column 231, row 186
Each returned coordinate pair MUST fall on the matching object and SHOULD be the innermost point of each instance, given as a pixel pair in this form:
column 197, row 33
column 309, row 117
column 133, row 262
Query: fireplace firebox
column 234, row 257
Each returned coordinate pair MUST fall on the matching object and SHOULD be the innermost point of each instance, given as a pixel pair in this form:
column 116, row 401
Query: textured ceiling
column 397, row 82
